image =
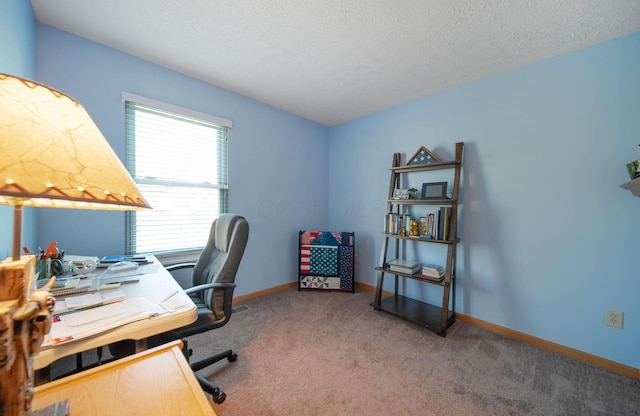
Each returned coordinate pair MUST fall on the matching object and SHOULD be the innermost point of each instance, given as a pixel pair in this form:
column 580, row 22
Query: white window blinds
column 178, row 158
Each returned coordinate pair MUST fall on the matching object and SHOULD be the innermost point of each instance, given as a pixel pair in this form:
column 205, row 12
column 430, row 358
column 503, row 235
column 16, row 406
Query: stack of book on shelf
column 437, row 224
column 398, row 224
column 404, row 266
column 432, row 271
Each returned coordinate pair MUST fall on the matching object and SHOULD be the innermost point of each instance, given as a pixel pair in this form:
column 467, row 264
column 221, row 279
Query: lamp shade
column 53, row 155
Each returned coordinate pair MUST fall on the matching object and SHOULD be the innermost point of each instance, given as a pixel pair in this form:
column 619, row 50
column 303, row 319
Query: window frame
column 180, row 112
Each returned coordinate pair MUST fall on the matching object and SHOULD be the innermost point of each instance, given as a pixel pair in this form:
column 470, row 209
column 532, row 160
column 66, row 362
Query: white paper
column 174, row 303
column 74, row 325
column 95, row 298
column 83, row 301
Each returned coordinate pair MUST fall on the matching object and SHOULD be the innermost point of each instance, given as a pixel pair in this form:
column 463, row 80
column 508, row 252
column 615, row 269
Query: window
column 178, row 158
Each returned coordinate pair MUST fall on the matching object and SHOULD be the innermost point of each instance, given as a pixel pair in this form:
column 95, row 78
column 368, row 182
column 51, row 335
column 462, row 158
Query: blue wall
column 17, row 57
column 549, row 239
column 277, row 160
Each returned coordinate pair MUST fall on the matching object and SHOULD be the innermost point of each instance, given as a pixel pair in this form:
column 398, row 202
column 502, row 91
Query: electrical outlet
column 613, row 318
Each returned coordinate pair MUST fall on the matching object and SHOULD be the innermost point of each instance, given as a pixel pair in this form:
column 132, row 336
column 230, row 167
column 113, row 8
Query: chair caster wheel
column 232, row 357
column 219, row 397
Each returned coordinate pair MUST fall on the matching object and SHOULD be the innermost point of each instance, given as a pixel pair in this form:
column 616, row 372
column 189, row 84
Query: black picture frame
column 434, row 190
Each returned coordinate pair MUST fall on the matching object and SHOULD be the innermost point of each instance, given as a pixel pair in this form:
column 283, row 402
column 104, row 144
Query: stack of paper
column 94, row 299
column 77, row 324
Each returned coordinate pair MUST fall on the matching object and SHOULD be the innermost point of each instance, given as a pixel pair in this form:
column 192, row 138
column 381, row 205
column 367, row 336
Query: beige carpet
column 330, row 353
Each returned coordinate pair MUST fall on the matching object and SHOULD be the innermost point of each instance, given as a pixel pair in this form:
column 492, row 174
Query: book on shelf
column 428, row 277
column 445, row 214
column 404, row 266
column 437, row 223
column 432, row 269
column 432, row 273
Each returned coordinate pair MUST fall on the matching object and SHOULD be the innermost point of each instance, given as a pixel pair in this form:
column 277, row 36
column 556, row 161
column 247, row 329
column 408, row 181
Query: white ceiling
column 332, row 61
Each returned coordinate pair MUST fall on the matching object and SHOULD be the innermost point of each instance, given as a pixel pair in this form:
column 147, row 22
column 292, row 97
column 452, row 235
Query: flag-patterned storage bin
column 326, row 260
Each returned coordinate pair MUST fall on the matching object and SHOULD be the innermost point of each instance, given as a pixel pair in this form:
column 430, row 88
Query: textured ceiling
column 332, row 61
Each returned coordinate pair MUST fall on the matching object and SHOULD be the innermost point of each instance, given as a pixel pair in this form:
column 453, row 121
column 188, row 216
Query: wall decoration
column 422, row 156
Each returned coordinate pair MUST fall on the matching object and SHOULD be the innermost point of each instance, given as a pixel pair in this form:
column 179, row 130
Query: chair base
column 205, row 362
column 217, row 395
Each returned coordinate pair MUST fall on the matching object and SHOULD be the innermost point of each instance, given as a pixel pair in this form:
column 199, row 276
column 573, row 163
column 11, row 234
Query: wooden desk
column 156, row 382
column 156, row 285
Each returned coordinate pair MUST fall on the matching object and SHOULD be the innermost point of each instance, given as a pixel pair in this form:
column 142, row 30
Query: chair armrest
column 179, row 266
column 200, row 288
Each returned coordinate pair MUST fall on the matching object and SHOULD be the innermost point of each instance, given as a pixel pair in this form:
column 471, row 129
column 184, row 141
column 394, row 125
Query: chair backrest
column 219, row 261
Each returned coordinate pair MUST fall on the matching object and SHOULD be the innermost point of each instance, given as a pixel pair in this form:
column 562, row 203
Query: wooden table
column 155, row 382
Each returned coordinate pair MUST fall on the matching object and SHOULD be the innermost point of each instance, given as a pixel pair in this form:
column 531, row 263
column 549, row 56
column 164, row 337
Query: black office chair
column 213, row 282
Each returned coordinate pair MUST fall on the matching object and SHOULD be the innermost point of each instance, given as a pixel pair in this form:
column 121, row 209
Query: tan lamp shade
column 53, row 155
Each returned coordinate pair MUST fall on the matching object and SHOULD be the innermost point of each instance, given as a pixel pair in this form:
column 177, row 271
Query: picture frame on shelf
column 403, row 194
column 423, row 156
column 400, row 194
column 434, row 190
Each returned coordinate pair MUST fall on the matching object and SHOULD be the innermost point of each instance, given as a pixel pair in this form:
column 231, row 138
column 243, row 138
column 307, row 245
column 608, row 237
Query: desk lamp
column 51, row 155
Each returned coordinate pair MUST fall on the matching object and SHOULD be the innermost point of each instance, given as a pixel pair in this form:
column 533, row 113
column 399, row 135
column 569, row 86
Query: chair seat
column 205, row 321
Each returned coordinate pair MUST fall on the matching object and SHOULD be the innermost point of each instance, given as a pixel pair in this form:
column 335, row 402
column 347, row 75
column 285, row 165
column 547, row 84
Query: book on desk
column 106, row 261
column 68, row 285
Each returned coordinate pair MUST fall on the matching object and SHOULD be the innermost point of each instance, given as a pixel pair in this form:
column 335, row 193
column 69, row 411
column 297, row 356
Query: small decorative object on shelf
column 633, row 168
column 401, row 194
column 422, row 156
column 414, row 228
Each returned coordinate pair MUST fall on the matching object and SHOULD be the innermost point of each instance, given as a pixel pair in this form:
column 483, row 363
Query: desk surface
column 158, row 382
column 155, row 285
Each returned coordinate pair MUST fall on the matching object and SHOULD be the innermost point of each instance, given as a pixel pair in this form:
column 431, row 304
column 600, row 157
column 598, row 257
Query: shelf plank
column 442, row 282
column 426, row 166
column 418, row 312
column 426, row 240
column 442, row 201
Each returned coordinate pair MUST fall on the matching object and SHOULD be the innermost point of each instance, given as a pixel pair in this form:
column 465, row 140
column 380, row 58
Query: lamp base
column 24, row 320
